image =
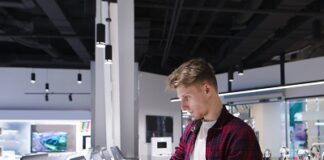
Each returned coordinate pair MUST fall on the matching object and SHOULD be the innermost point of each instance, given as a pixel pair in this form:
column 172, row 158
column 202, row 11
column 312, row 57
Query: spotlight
column 240, row 69
column 46, row 87
column 70, row 97
column 46, row 97
column 230, row 76
column 33, row 78
column 79, row 78
column 100, row 35
column 108, row 53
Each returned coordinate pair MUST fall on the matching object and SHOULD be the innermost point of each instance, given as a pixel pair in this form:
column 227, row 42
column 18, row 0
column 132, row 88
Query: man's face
column 194, row 100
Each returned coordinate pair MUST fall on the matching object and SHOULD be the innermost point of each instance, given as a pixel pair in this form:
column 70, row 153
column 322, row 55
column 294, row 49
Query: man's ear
column 206, row 88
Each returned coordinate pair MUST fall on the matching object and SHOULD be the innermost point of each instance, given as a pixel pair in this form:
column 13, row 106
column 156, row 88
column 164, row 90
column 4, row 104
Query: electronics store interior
column 88, row 79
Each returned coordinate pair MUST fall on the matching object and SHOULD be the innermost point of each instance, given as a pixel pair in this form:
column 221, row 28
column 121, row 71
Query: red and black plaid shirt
column 229, row 139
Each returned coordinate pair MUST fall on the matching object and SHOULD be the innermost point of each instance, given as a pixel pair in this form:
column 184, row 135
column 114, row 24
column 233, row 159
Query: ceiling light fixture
column 46, row 97
column 33, row 78
column 319, row 123
column 175, row 100
column 108, row 53
column 295, row 85
column 79, row 78
column 240, row 69
column 230, row 76
column 101, row 35
column 70, row 97
column 46, row 87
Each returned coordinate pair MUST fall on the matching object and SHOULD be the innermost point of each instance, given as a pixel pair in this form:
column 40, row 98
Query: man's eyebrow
column 184, row 95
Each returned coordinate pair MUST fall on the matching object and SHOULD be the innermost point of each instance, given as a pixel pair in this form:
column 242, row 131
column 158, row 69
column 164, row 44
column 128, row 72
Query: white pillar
column 116, row 124
column 101, row 110
column 122, row 39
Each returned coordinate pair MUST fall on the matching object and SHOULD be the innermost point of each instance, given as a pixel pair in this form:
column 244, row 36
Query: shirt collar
column 223, row 118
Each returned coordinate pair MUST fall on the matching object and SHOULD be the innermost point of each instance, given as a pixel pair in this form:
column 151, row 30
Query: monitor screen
column 49, row 141
column 161, row 145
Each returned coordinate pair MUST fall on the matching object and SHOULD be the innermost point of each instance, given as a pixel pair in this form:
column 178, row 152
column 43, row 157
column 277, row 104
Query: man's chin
column 197, row 117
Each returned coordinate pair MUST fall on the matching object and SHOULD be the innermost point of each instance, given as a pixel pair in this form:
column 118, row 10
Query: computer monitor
column 161, row 146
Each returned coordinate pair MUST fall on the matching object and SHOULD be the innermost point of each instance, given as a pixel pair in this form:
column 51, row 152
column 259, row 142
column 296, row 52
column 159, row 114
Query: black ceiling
column 60, row 33
column 47, row 33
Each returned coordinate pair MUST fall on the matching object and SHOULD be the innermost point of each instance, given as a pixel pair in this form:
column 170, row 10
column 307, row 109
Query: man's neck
column 215, row 109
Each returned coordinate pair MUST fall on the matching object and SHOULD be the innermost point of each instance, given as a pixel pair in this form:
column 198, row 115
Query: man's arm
column 179, row 150
column 244, row 146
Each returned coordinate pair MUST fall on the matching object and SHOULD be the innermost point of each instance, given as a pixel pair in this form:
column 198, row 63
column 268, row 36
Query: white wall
column 270, row 122
column 303, row 71
column 295, row 72
column 14, row 82
column 261, row 77
column 154, row 99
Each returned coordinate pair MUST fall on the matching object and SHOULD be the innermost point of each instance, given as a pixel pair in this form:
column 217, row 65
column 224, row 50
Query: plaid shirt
column 230, row 138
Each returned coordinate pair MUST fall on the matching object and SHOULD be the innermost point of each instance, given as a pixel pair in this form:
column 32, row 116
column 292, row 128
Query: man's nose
column 184, row 106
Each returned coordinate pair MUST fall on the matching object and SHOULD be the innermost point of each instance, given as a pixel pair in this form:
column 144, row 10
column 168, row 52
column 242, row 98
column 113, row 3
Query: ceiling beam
column 51, row 36
column 193, row 20
column 224, row 58
column 209, row 24
column 173, row 26
column 164, row 26
column 56, row 15
column 216, row 36
column 281, row 36
column 22, row 4
column 47, row 64
column 235, row 10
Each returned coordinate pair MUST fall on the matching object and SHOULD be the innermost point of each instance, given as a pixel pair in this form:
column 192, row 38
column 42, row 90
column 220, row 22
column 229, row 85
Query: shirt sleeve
column 179, row 150
column 244, row 145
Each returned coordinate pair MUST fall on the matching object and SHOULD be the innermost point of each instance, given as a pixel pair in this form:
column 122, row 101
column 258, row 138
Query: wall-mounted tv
column 49, row 141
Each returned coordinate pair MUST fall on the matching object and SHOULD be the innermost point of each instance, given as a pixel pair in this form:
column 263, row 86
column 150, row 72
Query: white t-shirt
column 199, row 152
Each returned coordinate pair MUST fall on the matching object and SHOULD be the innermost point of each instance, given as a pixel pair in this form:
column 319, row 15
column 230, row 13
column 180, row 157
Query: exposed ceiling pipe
column 164, row 25
column 47, row 47
column 56, row 15
column 209, row 24
column 193, row 20
column 236, row 10
column 49, row 36
column 174, row 22
column 22, row 4
column 49, row 64
column 272, row 47
column 243, row 18
column 12, row 25
column 231, row 44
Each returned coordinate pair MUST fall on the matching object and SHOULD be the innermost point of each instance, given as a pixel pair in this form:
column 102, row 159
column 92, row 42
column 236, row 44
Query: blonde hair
column 192, row 72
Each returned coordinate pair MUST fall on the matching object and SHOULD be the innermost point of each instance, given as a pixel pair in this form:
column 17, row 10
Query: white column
column 115, row 73
column 122, row 32
column 100, row 102
column 107, row 118
column 101, row 110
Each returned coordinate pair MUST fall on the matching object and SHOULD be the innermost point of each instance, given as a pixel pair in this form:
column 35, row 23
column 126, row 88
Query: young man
column 214, row 134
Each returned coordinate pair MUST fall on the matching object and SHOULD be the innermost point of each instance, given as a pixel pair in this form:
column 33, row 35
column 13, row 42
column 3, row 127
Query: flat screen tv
column 49, row 141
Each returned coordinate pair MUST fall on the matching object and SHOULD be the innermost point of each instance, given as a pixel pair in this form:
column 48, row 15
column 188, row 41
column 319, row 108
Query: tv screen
column 161, row 145
column 49, row 141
